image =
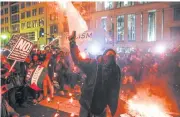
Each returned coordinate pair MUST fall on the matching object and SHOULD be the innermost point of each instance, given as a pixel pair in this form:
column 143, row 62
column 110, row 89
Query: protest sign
column 14, row 40
column 21, row 49
column 85, row 36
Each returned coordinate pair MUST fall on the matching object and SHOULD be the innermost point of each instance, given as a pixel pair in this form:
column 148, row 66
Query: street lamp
column 4, row 37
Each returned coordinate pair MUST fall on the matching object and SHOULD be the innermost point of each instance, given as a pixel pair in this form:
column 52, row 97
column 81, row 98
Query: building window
column 104, row 22
column 99, row 6
column 34, row 11
column 108, row 5
column 15, row 9
column 6, row 29
column 131, row 3
column 4, row 3
column 15, row 28
column 120, row 4
column 120, row 28
column 33, row 3
column 2, row 12
column 54, row 16
column 143, row 2
column 131, row 27
column 41, row 22
column 41, row 10
column 177, row 13
column 6, row 11
column 54, row 29
column 28, row 4
column 151, row 26
column 15, row 18
column 34, row 23
column 23, row 15
column 29, row 24
column 22, row 5
column 30, row 35
column 2, row 21
column 2, row 29
column 28, row 14
column 6, row 19
column 23, row 25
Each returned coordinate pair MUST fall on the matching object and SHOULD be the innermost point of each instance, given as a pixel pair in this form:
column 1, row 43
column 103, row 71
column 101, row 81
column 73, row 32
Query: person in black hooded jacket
column 102, row 85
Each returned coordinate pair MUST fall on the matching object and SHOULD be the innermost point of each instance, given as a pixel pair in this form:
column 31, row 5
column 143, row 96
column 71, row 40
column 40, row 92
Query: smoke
column 75, row 20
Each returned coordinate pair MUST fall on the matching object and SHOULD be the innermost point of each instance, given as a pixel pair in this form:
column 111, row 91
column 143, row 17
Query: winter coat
column 91, row 87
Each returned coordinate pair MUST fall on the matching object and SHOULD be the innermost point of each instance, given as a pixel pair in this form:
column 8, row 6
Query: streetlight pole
column 46, row 22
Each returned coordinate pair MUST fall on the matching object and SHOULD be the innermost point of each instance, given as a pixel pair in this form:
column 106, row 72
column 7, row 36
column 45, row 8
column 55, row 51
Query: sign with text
column 85, row 36
column 21, row 49
column 14, row 39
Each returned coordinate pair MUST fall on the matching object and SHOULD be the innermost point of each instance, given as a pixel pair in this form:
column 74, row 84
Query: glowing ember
column 72, row 114
column 48, row 99
column 71, row 100
column 56, row 115
column 70, row 94
column 83, row 55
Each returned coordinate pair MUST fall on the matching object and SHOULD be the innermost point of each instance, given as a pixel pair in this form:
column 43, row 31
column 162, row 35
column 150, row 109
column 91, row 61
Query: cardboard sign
column 12, row 42
column 21, row 49
column 85, row 36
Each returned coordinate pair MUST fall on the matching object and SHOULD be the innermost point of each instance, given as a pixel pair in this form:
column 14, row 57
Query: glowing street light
column 4, row 37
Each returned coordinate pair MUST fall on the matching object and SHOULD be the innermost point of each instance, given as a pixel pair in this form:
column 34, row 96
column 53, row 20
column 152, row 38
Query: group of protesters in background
column 152, row 69
column 135, row 67
column 58, row 72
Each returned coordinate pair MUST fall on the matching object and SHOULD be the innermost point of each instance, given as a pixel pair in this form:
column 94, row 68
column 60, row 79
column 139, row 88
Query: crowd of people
column 57, row 70
column 102, row 77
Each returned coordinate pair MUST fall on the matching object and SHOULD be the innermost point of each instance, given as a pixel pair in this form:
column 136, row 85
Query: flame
column 72, row 114
column 70, row 94
column 56, row 115
column 71, row 100
column 48, row 99
column 83, row 55
column 146, row 109
column 150, row 100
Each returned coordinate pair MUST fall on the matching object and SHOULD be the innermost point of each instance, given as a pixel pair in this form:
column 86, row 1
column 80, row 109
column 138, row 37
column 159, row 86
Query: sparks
column 146, row 108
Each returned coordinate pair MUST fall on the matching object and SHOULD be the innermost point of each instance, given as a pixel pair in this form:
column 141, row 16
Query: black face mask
column 109, row 60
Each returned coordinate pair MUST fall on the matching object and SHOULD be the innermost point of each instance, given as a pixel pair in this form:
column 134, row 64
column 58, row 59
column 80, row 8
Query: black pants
column 61, row 80
column 22, row 94
column 12, row 98
column 34, row 94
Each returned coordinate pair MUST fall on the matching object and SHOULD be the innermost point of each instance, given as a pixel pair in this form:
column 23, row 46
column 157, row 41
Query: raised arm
column 83, row 64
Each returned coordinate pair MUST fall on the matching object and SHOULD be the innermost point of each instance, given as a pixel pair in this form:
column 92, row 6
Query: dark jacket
column 89, row 91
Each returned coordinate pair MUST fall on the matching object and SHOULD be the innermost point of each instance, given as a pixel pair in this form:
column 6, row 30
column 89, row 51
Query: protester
column 101, row 87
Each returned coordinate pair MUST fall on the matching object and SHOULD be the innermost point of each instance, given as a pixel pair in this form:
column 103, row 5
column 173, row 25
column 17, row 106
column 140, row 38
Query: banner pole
column 12, row 67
